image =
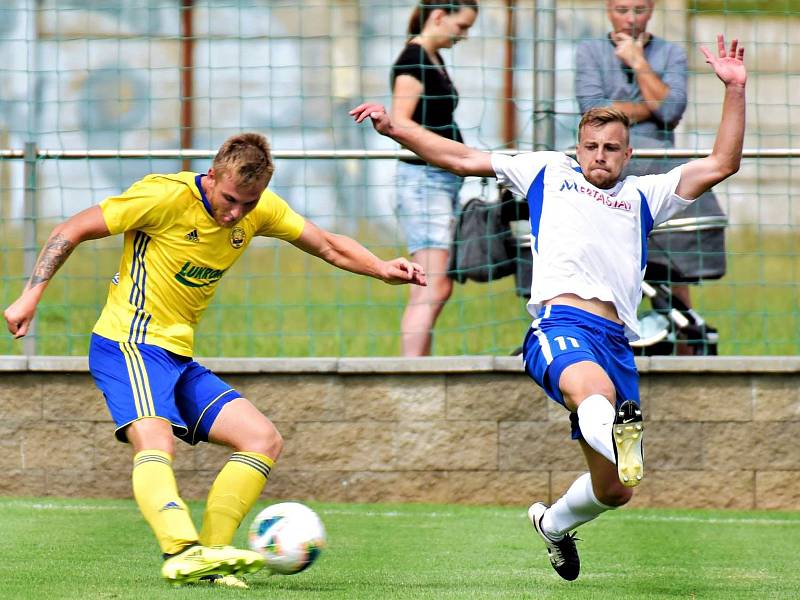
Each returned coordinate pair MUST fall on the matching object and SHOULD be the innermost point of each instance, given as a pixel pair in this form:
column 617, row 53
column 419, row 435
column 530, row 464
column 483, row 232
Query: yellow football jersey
column 174, row 256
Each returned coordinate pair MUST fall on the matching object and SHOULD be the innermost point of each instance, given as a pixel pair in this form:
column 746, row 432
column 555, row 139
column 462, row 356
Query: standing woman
column 424, row 96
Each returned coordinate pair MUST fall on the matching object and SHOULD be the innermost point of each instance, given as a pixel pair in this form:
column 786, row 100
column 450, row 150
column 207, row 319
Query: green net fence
column 145, row 79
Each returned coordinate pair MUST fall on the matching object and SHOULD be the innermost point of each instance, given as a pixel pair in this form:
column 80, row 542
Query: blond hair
column 599, row 116
column 246, row 158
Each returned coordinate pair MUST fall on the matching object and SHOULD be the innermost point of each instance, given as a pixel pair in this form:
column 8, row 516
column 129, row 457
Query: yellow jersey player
column 182, row 233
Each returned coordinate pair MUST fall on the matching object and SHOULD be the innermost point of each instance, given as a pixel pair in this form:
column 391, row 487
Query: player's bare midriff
column 598, row 307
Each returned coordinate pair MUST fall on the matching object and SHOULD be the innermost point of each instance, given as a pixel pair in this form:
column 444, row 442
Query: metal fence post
column 30, row 249
column 544, row 59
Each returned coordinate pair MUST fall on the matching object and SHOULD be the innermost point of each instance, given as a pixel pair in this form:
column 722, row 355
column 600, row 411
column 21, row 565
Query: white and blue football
column 289, row 535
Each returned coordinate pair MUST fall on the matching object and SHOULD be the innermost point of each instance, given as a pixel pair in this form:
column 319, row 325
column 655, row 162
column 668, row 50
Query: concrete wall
column 721, row 432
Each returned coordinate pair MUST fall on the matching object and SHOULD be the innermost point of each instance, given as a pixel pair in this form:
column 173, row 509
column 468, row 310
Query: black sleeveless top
column 439, row 98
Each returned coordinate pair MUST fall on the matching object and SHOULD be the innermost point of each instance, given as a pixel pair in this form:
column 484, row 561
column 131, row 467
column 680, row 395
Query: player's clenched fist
column 18, row 317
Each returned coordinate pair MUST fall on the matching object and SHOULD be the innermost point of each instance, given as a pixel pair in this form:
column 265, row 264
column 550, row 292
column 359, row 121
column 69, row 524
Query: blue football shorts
column 562, row 336
column 142, row 380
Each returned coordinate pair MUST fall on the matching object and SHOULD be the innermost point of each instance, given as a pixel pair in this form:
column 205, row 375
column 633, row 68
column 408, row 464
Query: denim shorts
column 427, row 200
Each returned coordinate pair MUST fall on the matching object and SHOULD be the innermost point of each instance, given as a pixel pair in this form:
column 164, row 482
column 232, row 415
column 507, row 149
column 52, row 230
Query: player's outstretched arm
column 346, row 253
column 86, row 225
column 700, row 175
column 447, row 154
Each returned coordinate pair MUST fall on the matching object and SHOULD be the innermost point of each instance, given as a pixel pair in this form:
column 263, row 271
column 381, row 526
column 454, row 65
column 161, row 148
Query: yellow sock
column 233, row 494
column 156, row 494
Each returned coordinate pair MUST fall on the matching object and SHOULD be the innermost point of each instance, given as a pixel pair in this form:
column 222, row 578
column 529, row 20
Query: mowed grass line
column 75, row 548
column 277, row 301
column 760, row 7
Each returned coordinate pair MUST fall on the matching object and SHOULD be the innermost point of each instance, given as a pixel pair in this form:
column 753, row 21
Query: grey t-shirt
column 601, row 78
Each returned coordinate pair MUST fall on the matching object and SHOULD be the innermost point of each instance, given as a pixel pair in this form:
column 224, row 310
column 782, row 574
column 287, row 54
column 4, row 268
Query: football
column 289, row 535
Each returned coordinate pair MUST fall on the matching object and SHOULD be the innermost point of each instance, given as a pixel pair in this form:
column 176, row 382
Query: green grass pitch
column 77, row 548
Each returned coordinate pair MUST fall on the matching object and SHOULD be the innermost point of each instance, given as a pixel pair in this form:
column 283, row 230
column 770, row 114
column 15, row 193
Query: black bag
column 692, row 250
column 481, row 243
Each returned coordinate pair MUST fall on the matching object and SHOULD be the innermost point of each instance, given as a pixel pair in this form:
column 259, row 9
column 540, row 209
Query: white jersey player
column 589, row 232
column 588, row 241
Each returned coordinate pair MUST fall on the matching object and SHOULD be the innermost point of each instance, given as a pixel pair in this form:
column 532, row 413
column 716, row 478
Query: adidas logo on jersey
column 192, row 236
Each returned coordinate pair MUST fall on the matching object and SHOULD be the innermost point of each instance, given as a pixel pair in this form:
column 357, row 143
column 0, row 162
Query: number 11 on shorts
column 562, row 342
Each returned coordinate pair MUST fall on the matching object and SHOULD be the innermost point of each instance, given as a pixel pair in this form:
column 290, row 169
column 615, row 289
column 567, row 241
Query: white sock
column 596, row 419
column 579, row 505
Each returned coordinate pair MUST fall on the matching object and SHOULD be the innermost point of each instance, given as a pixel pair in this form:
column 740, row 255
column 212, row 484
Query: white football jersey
column 585, row 240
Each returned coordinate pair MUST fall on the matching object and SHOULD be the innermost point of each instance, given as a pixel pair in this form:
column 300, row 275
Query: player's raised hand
column 377, row 112
column 401, row 270
column 729, row 65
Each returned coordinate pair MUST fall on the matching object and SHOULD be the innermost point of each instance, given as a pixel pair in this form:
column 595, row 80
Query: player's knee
column 606, row 390
column 276, row 443
column 166, row 446
column 577, row 392
column 151, row 434
column 267, row 441
column 615, row 495
column 583, row 379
